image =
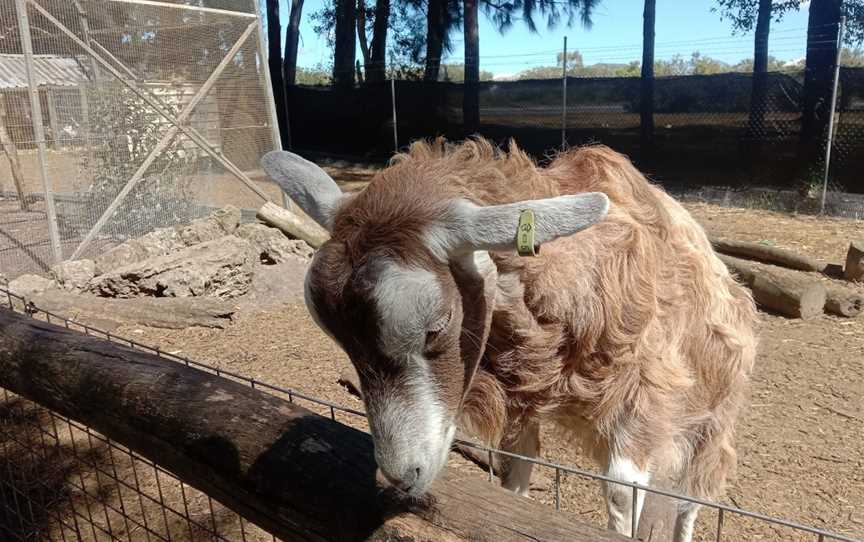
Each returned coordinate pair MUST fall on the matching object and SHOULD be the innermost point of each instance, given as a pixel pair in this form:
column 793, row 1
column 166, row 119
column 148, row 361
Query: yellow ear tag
column 525, row 245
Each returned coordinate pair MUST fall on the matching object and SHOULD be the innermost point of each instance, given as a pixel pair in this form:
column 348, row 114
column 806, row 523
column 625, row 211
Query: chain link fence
column 121, row 116
column 709, row 128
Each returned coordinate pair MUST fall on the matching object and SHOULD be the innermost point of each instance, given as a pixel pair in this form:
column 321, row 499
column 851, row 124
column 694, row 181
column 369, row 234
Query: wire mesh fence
column 119, row 117
column 61, row 480
column 714, row 123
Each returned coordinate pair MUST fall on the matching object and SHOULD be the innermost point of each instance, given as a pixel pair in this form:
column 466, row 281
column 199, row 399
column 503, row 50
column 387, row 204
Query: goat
column 625, row 330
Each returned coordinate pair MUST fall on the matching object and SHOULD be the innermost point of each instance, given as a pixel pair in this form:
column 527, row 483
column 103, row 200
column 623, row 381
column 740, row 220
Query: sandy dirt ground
column 800, row 440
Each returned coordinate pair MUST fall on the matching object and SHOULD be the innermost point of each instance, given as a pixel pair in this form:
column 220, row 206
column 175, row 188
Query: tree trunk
column 296, row 474
column 377, row 71
column 789, row 293
column 161, row 312
column 844, row 302
column 854, row 269
column 292, row 40
column 345, row 47
column 822, row 30
column 274, row 62
column 646, row 83
column 434, row 38
column 361, row 39
column 471, row 98
column 293, row 223
column 759, row 91
column 766, row 254
column 11, row 151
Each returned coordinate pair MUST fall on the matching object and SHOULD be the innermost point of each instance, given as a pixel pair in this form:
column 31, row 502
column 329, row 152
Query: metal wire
column 154, row 113
column 19, row 304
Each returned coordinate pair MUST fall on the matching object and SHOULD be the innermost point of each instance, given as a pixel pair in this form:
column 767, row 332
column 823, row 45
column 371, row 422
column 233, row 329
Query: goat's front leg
column 516, row 473
column 685, row 521
column 619, row 497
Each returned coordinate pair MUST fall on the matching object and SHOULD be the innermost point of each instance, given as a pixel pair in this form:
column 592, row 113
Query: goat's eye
column 436, row 330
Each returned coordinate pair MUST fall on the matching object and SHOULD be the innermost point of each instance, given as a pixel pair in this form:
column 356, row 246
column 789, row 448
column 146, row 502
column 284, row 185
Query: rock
column 272, row 244
column 27, row 286
column 74, row 275
column 220, row 268
column 222, row 222
column 159, row 242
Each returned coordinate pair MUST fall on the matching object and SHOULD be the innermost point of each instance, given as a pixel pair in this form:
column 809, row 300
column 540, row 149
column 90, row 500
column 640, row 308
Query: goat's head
column 407, row 289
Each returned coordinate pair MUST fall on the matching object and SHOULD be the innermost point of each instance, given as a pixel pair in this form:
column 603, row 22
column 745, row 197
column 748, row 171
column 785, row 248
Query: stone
column 159, row 242
column 74, row 275
column 223, row 222
column 272, row 245
column 220, row 268
column 27, row 286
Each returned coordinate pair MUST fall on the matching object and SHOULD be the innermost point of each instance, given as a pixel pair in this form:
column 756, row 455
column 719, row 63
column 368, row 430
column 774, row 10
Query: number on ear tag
column 525, row 245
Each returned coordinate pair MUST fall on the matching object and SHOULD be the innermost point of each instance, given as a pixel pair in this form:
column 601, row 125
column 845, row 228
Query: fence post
column 276, row 134
column 830, row 141
column 38, row 128
column 395, row 130
column 564, row 97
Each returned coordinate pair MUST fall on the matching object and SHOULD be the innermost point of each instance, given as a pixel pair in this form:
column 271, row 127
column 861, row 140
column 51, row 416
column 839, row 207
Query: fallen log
column 161, row 312
column 854, row 269
column 844, row 302
column 296, row 474
column 786, row 292
column 767, row 254
column 293, row 223
column 348, row 380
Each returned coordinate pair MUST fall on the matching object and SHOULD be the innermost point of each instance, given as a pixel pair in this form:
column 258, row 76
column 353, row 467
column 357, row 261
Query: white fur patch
column 619, row 498
column 407, row 300
column 410, row 424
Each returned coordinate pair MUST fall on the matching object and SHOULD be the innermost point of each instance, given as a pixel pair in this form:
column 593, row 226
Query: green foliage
column 743, row 13
column 505, row 12
column 678, row 65
column 774, row 65
column 852, row 58
column 574, row 59
column 129, row 130
column 455, row 73
column 317, row 76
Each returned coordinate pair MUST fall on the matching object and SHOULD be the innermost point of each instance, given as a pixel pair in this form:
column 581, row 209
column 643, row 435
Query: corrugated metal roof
column 50, row 70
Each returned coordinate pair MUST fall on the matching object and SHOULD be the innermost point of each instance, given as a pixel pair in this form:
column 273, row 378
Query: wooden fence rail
column 291, row 471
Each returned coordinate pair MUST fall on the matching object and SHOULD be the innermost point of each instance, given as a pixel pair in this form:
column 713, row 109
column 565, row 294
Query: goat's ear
column 471, row 227
column 306, row 184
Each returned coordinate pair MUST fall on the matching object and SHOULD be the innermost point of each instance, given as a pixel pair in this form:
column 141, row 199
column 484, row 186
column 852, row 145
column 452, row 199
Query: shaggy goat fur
column 631, row 334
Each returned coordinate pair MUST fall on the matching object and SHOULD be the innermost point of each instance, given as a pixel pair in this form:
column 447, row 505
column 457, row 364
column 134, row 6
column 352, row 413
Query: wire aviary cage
column 118, row 117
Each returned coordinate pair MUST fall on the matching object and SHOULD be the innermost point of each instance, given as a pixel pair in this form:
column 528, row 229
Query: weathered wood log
column 786, row 292
column 297, row 474
column 161, row 312
column 348, row 380
column 297, row 225
column 854, row 269
column 766, row 254
column 844, row 302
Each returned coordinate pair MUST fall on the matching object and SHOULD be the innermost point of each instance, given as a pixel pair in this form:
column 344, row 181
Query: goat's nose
column 404, row 480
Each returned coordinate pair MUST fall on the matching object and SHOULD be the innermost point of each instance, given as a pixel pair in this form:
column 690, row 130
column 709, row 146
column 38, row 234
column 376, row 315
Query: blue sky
column 683, row 26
